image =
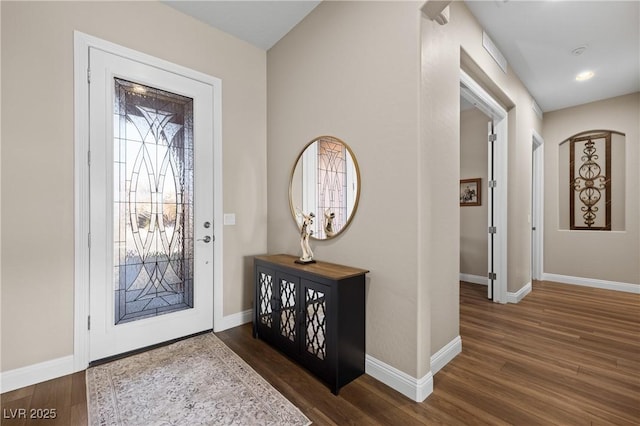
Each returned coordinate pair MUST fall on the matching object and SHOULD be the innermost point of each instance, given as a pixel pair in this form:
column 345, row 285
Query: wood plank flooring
column 66, row 396
column 565, row 355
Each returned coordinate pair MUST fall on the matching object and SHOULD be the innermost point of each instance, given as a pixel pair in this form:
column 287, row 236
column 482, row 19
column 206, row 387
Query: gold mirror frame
column 351, row 175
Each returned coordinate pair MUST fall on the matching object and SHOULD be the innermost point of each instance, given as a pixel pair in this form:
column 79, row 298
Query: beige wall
column 473, row 219
column 444, row 48
column 350, row 70
column 37, row 155
column 610, row 256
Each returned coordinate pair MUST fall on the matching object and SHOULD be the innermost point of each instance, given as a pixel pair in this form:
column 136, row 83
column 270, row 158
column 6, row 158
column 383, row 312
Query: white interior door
column 151, row 205
column 491, row 276
column 537, row 203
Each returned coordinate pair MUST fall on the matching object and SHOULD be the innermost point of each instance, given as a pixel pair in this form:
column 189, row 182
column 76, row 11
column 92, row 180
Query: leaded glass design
column 288, row 309
column 266, row 293
column 315, row 323
column 153, row 201
column 332, row 180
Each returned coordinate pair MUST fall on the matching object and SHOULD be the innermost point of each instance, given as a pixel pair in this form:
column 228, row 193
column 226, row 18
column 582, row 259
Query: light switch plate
column 229, row 218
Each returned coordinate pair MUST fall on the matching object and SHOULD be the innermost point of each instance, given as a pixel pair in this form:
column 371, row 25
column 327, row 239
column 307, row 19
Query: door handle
column 206, row 239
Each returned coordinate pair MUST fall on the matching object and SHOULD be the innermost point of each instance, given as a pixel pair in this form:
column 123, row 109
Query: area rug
column 197, row 381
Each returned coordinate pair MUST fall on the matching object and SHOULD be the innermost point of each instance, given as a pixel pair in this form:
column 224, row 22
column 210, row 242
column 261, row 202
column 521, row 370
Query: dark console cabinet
column 314, row 313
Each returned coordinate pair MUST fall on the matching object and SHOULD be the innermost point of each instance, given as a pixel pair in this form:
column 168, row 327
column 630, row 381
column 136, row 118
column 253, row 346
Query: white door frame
column 537, row 206
column 82, row 43
column 487, row 104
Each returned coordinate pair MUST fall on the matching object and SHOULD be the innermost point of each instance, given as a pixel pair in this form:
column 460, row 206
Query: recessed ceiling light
column 585, row 75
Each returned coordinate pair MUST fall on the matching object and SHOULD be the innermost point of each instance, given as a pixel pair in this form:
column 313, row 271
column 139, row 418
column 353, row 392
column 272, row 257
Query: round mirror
column 325, row 181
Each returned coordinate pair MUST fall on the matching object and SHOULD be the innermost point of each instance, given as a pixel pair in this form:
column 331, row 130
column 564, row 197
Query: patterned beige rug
column 197, row 381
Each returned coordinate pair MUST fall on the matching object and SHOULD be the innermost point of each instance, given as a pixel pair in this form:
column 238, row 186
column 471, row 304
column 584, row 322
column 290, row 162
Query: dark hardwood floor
column 565, row 355
column 65, row 399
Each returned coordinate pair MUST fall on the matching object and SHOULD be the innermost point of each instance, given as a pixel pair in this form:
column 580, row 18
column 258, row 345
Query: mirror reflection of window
column 309, row 185
column 325, row 184
column 332, row 181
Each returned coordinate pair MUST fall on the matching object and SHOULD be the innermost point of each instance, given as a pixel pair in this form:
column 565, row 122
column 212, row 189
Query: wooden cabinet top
column 332, row 271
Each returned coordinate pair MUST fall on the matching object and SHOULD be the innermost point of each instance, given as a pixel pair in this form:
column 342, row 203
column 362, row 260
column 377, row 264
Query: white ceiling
column 261, row 23
column 536, row 37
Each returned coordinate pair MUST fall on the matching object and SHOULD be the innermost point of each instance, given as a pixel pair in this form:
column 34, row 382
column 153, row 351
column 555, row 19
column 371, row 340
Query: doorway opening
column 493, row 190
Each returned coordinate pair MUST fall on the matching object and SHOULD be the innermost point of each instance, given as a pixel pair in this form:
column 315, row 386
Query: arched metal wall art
column 590, row 181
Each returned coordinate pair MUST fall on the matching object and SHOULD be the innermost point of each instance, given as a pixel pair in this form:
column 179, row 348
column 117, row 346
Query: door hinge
column 89, row 75
column 492, row 276
column 493, row 184
column 89, row 240
column 493, row 137
column 493, row 229
column 89, row 322
column 88, row 158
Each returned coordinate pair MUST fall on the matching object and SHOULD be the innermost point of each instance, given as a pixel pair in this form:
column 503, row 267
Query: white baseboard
column 520, row 294
column 475, row 279
column 445, row 354
column 511, row 297
column 36, row 373
column 235, row 320
column 415, row 389
column 590, row 282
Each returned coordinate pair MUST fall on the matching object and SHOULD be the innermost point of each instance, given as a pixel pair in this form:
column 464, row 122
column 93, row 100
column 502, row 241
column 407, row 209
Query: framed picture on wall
column 470, row 192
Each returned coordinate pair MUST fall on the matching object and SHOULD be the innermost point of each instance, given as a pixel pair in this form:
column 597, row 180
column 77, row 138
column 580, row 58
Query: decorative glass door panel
column 151, row 266
column 153, row 201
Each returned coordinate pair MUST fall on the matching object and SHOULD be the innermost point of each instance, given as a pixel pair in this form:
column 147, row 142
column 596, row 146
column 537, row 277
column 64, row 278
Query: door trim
column 82, row 43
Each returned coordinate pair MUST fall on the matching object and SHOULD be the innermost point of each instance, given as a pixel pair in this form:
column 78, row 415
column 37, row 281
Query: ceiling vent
column 497, row 56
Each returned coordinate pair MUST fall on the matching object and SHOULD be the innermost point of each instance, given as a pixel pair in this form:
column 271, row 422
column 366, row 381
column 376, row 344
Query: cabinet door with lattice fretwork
column 286, row 313
column 265, row 297
column 316, row 333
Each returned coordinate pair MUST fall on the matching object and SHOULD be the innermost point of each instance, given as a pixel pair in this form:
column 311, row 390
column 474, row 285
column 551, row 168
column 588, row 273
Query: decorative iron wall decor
column 590, row 181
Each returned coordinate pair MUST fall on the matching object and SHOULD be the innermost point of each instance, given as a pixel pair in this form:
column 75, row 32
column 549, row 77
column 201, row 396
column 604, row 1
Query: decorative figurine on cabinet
column 305, row 233
column 328, row 223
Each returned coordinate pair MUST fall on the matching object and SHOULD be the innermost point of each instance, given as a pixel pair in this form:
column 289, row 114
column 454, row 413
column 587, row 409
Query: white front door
column 151, row 205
